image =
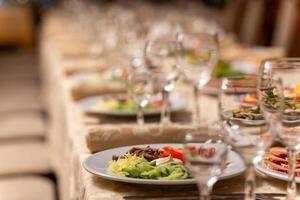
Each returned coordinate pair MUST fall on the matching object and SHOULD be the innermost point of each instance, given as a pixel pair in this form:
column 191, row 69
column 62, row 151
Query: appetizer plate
column 290, row 120
column 97, row 164
column 100, row 76
column 228, row 114
column 88, row 105
column 275, row 174
column 243, row 66
column 213, row 90
column 82, row 76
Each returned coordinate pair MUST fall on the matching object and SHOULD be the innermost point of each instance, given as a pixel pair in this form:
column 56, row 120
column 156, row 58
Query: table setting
column 165, row 105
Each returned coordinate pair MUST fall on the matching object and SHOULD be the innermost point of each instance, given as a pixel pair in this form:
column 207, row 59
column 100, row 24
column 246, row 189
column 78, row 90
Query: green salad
column 124, row 103
column 115, row 74
column 223, row 69
column 134, row 166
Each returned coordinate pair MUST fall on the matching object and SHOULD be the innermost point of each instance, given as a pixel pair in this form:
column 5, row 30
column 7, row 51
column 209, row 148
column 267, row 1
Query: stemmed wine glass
column 243, row 123
column 205, row 157
column 287, row 124
column 140, row 88
column 161, row 57
column 198, row 57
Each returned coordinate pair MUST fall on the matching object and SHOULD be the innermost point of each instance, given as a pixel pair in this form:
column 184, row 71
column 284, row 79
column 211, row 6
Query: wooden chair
column 16, row 26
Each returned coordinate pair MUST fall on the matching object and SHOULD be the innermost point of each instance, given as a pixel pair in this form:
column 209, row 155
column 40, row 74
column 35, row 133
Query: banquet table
column 69, row 129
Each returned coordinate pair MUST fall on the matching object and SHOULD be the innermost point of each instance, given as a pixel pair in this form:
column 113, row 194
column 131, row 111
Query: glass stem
column 140, row 115
column 291, row 185
column 250, row 182
column 165, row 112
column 204, row 191
column 196, row 113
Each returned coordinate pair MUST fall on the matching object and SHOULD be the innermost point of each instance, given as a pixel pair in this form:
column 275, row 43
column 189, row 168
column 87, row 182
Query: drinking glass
column 205, row 157
column 161, row 57
column 140, row 89
column 243, row 123
column 198, row 57
column 287, row 124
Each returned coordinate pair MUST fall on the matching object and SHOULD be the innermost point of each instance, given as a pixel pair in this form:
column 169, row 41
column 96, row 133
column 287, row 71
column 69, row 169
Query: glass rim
column 150, row 42
column 204, row 33
column 281, row 63
column 215, row 36
column 240, row 76
column 160, row 40
column 225, row 85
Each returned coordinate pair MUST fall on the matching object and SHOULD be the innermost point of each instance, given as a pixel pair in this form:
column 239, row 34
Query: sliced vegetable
column 174, row 152
column 125, row 103
column 223, row 69
column 138, row 167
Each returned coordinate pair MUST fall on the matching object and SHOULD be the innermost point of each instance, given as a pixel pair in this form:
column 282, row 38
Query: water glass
column 205, row 156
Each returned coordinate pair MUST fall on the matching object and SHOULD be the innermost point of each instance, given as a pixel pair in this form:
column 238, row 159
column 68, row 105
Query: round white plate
column 289, row 120
column 97, row 164
column 82, row 76
column 88, row 105
column 212, row 90
column 275, row 174
column 245, row 67
column 228, row 114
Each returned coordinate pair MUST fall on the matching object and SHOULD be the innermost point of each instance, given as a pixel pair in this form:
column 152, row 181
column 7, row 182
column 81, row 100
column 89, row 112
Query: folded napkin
column 84, row 89
column 73, row 50
column 72, row 66
column 71, row 46
column 254, row 53
column 109, row 136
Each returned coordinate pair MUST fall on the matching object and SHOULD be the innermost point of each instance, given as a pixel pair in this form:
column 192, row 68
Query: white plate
column 213, row 90
column 289, row 120
column 97, row 164
column 88, row 105
column 83, row 76
column 275, row 174
column 228, row 114
column 245, row 67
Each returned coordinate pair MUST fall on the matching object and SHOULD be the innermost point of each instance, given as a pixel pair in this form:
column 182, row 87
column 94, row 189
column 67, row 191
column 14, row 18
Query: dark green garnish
column 223, row 69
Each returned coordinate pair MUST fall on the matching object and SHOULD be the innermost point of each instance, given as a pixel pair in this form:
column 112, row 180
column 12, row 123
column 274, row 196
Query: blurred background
column 259, row 22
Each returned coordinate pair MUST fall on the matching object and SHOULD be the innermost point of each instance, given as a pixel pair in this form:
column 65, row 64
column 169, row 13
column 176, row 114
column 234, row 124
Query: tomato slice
column 177, row 154
column 167, row 148
column 174, row 152
column 164, row 154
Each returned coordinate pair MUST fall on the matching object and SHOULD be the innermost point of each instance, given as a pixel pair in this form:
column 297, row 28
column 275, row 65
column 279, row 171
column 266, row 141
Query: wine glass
column 270, row 95
column 140, row 89
column 205, row 157
column 161, row 57
column 198, row 57
column 243, row 123
column 287, row 124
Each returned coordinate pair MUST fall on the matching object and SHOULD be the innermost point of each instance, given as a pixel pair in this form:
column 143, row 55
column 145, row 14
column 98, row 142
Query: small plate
column 275, row 174
column 228, row 115
column 245, row 67
column 82, row 76
column 97, row 164
column 290, row 120
column 88, row 105
column 213, row 90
